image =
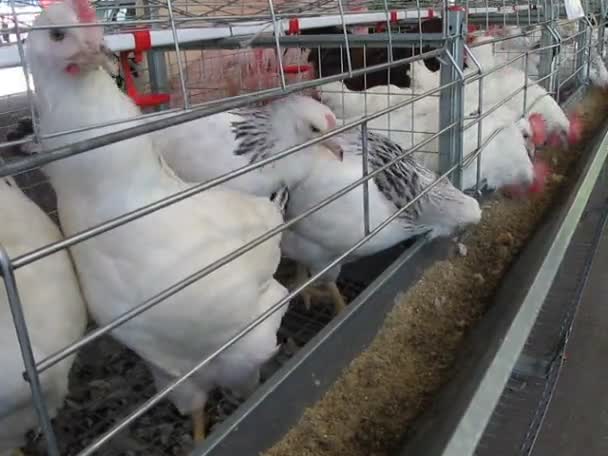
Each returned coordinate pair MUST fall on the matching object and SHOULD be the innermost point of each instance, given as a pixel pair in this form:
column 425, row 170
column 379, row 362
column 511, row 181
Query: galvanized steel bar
column 451, row 100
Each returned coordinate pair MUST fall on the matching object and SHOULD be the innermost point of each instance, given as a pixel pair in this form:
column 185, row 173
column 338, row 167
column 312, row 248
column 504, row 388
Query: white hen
column 501, row 165
column 211, row 146
column 327, row 233
column 501, row 84
column 54, row 312
column 123, row 267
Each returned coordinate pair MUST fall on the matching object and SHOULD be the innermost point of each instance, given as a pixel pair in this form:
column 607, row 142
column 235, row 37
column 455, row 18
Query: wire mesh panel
column 395, row 100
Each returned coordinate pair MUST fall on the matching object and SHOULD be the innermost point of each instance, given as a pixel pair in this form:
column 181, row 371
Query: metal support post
column 451, row 99
column 157, row 65
column 548, row 38
column 583, row 51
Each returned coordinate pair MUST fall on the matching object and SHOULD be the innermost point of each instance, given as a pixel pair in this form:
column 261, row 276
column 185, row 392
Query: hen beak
column 334, row 147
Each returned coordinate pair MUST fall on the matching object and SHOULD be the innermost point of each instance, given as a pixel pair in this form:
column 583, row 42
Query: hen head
column 71, row 49
column 311, row 120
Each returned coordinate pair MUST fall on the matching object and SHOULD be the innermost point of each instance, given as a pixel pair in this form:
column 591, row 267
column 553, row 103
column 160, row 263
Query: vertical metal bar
column 14, row 302
column 525, row 97
column 589, row 43
column 157, row 65
column 364, row 159
column 346, row 42
column 277, row 43
column 556, row 76
column 178, row 56
column 582, row 52
column 546, row 55
column 26, row 74
column 479, row 134
column 451, row 99
column 602, row 27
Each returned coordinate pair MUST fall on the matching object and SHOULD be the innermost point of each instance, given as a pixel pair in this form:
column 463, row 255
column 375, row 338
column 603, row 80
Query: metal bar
column 365, row 164
column 279, row 54
column 24, row 65
column 451, row 100
column 25, row 345
column 582, row 55
column 333, row 41
column 205, row 109
column 157, row 65
column 547, row 39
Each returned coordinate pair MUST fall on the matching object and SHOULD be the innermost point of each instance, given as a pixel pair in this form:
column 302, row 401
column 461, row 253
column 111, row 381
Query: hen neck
column 68, row 103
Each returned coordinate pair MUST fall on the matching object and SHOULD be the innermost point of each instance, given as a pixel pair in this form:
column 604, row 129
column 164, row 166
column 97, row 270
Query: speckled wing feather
column 252, row 133
column 402, row 181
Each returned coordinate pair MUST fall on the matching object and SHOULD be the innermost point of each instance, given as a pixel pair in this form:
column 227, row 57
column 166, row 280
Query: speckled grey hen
column 327, row 233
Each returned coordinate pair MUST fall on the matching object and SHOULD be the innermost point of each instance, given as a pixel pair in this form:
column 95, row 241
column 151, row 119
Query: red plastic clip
column 393, row 17
column 294, row 26
column 456, row 8
column 297, row 69
column 143, row 43
column 430, row 12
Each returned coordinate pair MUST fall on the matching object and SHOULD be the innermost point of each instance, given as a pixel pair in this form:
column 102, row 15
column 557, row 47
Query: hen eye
column 57, row 34
column 315, row 129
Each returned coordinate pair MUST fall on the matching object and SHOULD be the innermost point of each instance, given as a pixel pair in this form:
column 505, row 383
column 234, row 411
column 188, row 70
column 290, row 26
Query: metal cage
column 196, row 53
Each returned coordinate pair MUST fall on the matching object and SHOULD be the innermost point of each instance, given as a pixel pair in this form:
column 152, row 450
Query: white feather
column 125, row 266
column 54, row 311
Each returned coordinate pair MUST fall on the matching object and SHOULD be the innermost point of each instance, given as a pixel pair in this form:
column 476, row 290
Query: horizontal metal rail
column 194, row 113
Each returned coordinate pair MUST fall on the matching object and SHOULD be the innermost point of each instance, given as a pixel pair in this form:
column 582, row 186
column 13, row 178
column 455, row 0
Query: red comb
column 331, row 120
column 539, row 128
column 84, row 11
column 576, row 129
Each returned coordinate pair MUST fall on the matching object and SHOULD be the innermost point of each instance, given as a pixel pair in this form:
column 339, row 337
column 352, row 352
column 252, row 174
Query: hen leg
column 330, row 291
column 310, row 291
column 336, row 297
column 198, row 425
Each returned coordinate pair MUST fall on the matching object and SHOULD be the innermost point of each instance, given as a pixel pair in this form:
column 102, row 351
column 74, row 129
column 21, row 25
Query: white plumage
column 125, row 266
column 507, row 81
column 211, row 146
column 325, row 234
column 504, row 161
column 54, row 312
